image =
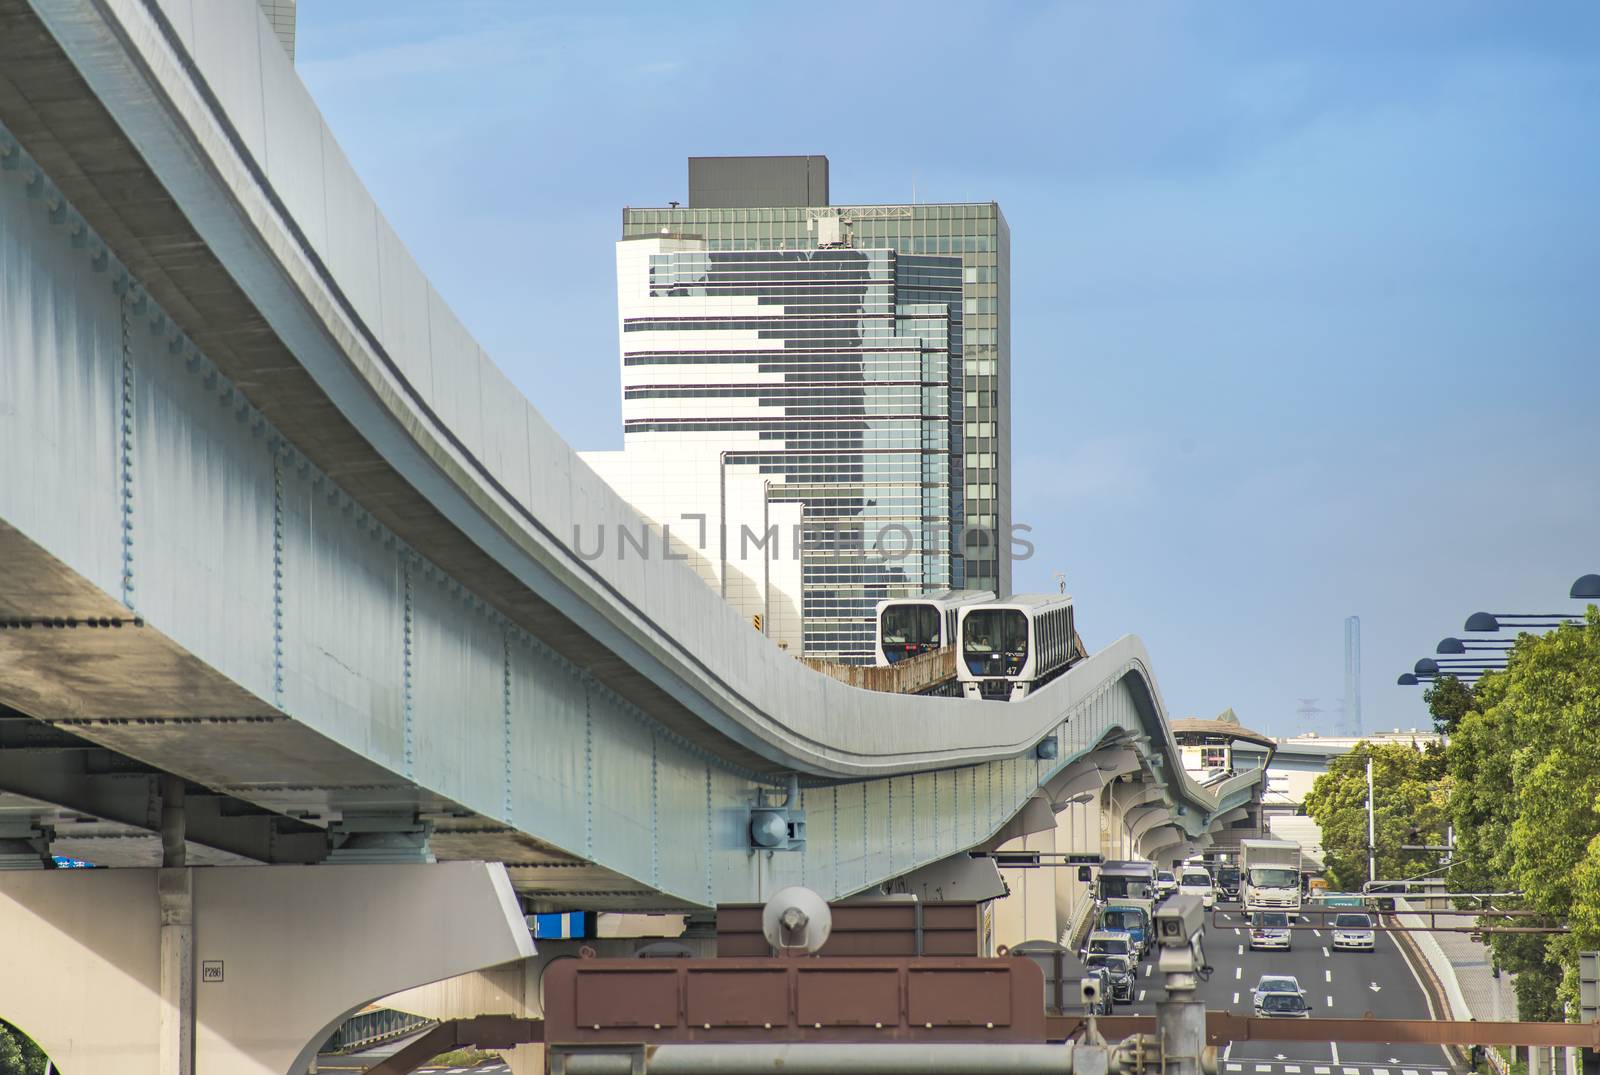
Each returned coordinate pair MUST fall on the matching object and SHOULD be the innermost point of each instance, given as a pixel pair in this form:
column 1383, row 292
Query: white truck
column 1269, row 875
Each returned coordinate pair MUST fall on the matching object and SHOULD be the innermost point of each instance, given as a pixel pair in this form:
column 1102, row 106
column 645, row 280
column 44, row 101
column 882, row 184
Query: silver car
column 1353, row 930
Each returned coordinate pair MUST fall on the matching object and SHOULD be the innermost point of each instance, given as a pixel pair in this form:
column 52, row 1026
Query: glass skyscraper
column 976, row 233
column 833, row 378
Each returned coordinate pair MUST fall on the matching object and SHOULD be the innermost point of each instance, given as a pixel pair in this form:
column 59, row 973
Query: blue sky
column 1306, row 298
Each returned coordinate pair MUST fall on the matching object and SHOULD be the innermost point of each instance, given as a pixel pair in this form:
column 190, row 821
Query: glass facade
column 976, row 235
column 836, row 377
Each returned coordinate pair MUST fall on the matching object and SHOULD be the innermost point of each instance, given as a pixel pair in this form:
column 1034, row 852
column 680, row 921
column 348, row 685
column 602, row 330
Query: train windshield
column 996, row 630
column 907, row 630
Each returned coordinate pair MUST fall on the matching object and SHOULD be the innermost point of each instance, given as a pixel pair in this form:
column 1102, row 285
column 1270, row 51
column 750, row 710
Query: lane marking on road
column 1148, row 968
column 1330, row 1000
column 1235, row 1067
column 1238, row 972
column 1141, row 994
column 1327, row 975
column 1235, row 1000
column 1263, row 1067
column 1324, row 953
column 1292, row 1069
column 1241, row 949
column 1438, row 1073
column 1236, row 931
column 1334, row 1046
column 1323, row 1070
column 1380, row 1071
column 1408, row 1071
column 1227, row 1051
column 1318, row 932
column 1350, row 1071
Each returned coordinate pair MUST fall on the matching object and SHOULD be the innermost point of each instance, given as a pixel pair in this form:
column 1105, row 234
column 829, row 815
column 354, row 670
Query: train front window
column 908, row 630
column 996, row 630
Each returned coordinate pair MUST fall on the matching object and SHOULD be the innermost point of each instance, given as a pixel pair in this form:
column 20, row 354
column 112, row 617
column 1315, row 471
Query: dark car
column 1285, row 1006
column 1119, row 972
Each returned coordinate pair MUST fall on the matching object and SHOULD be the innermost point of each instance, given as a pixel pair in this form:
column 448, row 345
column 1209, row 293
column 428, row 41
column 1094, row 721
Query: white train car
column 1012, row 647
column 908, row 626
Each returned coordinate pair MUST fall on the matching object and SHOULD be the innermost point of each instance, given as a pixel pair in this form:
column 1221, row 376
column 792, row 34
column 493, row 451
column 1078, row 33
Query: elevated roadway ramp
column 344, row 551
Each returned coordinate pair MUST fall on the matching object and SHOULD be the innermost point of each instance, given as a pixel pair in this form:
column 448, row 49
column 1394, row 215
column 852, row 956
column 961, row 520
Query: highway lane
column 1345, row 985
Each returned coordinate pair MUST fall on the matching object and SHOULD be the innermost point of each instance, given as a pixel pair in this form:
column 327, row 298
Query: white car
column 1195, row 881
column 1353, row 930
column 1274, row 983
column 1269, row 929
column 1166, row 884
column 1109, row 942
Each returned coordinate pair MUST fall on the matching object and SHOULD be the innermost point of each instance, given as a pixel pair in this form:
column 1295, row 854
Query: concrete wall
column 299, row 948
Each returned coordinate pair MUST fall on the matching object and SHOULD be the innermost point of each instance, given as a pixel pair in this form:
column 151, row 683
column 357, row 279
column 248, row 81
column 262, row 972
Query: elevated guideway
column 272, row 521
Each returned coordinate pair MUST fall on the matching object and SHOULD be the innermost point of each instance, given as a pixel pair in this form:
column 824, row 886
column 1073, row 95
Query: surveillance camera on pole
column 1180, row 921
column 1179, row 926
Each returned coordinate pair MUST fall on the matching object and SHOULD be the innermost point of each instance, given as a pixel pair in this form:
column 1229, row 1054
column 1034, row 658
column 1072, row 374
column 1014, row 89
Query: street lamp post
column 1455, row 646
column 1493, row 621
column 1372, row 828
column 1431, row 666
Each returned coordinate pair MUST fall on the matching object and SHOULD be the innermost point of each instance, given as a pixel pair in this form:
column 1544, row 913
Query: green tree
column 1448, row 700
column 1525, row 762
column 1410, row 806
column 18, row 1054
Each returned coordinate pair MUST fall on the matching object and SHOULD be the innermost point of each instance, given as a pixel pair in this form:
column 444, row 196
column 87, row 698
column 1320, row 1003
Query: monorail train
column 1012, row 647
column 908, row 626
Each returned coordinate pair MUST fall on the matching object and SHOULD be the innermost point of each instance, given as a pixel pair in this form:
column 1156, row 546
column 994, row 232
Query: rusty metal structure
column 844, row 1014
column 888, row 928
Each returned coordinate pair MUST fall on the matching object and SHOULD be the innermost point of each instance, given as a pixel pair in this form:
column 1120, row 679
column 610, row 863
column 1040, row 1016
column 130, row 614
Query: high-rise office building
column 975, row 232
column 833, row 376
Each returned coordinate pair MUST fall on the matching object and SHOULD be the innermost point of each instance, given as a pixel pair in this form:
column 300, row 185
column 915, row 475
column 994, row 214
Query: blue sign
column 560, row 927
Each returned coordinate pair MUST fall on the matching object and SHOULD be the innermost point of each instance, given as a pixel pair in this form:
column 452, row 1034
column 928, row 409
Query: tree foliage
column 1410, row 806
column 1524, row 758
column 18, row 1054
column 1448, row 700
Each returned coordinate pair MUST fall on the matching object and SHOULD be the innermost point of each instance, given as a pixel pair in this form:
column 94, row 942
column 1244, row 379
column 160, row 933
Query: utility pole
column 1372, row 845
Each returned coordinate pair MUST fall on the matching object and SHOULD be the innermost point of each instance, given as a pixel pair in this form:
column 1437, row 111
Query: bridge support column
column 279, row 957
column 175, row 898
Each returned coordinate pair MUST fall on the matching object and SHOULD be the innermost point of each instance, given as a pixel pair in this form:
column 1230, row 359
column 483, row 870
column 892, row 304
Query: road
column 1342, row 985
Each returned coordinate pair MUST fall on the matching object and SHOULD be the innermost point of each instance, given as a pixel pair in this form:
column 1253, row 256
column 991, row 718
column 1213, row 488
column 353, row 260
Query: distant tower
column 1352, row 675
column 1309, row 712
